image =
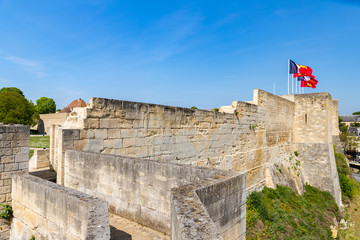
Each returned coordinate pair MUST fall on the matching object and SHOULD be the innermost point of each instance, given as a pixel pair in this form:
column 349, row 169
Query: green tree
column 342, row 126
column 356, row 113
column 15, row 108
column 12, row 89
column 45, row 105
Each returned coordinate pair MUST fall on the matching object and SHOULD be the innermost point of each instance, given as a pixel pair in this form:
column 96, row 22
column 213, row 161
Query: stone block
column 92, row 123
column 9, row 167
column 100, row 133
column 22, row 158
column 109, row 123
column 7, row 159
column 118, row 143
column 71, row 134
column 5, row 190
column 113, row 133
column 129, row 142
column 5, row 144
column 25, row 165
column 6, row 151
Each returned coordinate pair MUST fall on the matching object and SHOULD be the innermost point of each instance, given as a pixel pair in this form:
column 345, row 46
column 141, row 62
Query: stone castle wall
column 242, row 141
column 14, row 157
column 264, row 137
column 198, row 202
column 316, row 122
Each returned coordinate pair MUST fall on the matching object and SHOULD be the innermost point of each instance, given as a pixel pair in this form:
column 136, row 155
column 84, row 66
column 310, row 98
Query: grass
column 352, row 215
column 282, row 214
column 31, row 153
column 350, row 198
column 348, row 185
column 40, row 142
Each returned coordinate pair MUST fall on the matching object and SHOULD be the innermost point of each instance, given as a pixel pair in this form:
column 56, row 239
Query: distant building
column 354, row 130
column 76, row 103
column 349, row 119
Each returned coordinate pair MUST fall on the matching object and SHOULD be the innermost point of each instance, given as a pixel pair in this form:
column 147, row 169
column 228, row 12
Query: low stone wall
column 40, row 159
column 46, row 210
column 14, row 157
column 141, row 190
column 211, row 209
column 225, row 200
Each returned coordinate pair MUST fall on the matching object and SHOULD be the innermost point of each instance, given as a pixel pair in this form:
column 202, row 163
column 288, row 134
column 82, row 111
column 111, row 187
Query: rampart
column 45, row 210
column 53, row 119
column 14, row 156
column 267, row 137
column 200, row 203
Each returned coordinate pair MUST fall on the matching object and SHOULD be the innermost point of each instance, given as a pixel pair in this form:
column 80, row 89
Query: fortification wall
column 247, row 140
column 143, row 191
column 317, row 116
column 46, row 210
column 14, row 157
column 262, row 137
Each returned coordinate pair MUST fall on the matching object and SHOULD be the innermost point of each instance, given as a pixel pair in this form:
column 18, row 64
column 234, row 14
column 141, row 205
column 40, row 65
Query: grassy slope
column 282, row 214
column 40, row 142
column 350, row 197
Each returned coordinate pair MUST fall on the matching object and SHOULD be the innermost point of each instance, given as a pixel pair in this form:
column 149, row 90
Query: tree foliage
column 45, row 105
column 342, row 126
column 349, row 140
column 356, row 113
column 15, row 108
column 12, row 89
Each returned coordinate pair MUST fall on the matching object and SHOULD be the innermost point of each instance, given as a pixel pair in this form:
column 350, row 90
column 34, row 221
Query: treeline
column 15, row 108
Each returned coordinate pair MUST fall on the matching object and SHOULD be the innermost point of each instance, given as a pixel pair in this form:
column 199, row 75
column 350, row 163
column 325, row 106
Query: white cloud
column 30, row 65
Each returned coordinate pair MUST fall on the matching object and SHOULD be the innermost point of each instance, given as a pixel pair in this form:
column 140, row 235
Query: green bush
column 348, row 186
column 7, row 212
column 341, row 164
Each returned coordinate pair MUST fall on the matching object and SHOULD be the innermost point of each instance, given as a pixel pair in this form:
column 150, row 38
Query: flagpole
column 288, row 74
column 274, row 88
column 296, row 91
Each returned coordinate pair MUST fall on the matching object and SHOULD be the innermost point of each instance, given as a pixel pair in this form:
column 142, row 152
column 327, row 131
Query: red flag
column 304, row 71
column 310, row 83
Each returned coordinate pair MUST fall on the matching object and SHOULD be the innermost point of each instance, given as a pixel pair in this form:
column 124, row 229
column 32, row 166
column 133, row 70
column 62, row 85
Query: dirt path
column 123, row 229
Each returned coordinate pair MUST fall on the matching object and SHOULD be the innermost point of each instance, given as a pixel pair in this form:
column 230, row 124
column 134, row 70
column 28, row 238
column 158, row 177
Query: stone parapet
column 46, row 210
column 146, row 191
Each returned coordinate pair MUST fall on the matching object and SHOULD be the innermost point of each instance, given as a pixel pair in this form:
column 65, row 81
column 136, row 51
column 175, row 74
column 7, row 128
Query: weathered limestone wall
column 225, row 202
column 260, row 137
column 14, row 157
column 40, row 159
column 247, row 140
column 316, row 117
column 46, row 210
column 53, row 119
column 141, row 190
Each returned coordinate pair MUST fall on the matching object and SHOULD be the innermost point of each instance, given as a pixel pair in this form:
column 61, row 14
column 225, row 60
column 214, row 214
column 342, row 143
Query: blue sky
column 180, row 53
